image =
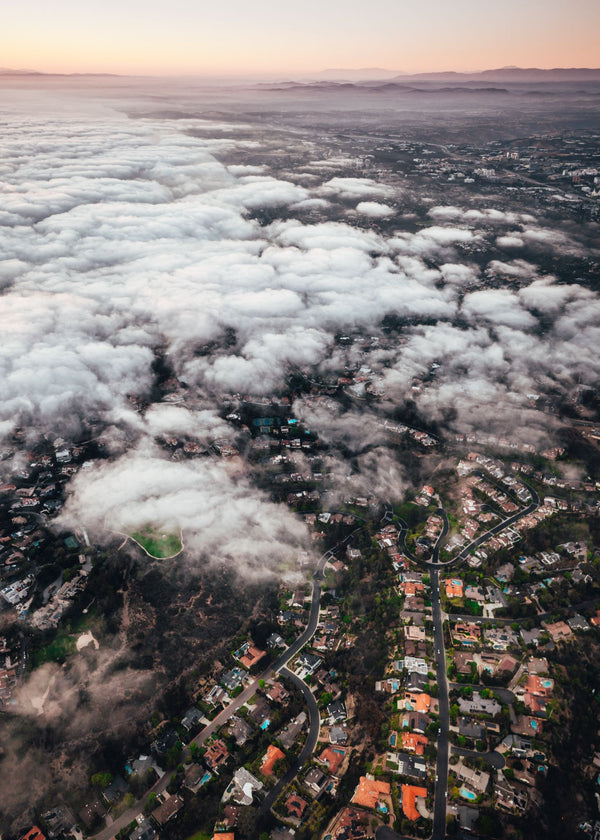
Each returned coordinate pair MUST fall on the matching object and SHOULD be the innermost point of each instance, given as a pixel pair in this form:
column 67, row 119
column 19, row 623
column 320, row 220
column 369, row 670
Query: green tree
column 102, row 780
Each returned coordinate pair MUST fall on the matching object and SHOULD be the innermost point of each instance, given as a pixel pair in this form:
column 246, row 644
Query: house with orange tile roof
column 249, row 654
column 295, row 806
column 412, row 587
column 369, row 793
column 409, row 797
column 224, row 835
column 537, row 692
column 595, row 619
column 34, row 833
column 414, row 742
column 272, row 755
column 216, row 754
column 559, row 630
column 332, row 757
column 415, row 701
column 466, row 633
column 454, row 588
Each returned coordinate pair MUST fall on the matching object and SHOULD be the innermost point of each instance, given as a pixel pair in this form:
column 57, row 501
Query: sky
column 263, row 37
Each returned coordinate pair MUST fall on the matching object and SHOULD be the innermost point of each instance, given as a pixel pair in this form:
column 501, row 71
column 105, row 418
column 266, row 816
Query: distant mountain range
column 511, row 74
column 7, row 71
column 502, row 74
column 376, row 76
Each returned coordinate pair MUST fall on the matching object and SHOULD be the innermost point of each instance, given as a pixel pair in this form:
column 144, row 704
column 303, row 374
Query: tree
column 102, row 780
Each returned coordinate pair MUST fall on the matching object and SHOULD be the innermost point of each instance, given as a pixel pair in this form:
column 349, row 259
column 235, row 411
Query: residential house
column 332, row 758
column 195, row 777
column 370, row 793
column 270, row 758
column 415, row 634
column 538, row 691
column 479, row 705
column 316, row 781
column 248, row 655
column 466, row 633
column 144, row 831
column 559, row 630
column 348, row 824
column 415, row 702
column 454, row 588
column 414, row 742
column 412, row 663
column 277, row 693
column 336, row 712
column 477, row 780
column 232, row 679
column 406, row 765
column 307, row 663
column 531, row 637
column 242, row 787
column 34, row 833
column 410, row 794
column 338, row 735
column 509, row 797
column 191, row 719
column 295, row 806
column 471, row 728
column 415, row 721
column 289, row 734
column 578, row 622
column 261, row 712
column 415, row 683
column 216, row 755
column 500, row 638
column 168, row 810
column 239, row 729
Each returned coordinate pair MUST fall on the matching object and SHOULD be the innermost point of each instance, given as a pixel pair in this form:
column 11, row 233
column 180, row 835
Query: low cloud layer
column 122, row 236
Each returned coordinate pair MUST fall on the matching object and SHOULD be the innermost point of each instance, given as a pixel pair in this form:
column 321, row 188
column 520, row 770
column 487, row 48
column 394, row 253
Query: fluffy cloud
column 222, row 518
column 374, row 209
column 123, row 236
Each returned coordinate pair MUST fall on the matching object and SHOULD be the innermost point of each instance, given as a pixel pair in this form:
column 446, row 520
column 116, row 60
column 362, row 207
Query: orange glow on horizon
column 178, row 37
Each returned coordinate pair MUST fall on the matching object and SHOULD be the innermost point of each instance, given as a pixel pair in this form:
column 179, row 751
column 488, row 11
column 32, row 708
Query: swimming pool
column 265, row 724
column 547, row 683
column 468, row 794
column 534, row 724
column 393, row 739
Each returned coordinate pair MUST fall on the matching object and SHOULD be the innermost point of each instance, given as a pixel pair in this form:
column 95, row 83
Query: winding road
column 279, row 666
column 434, row 566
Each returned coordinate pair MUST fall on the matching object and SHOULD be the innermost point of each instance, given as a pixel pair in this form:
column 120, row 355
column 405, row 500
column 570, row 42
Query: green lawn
column 56, row 651
column 156, row 544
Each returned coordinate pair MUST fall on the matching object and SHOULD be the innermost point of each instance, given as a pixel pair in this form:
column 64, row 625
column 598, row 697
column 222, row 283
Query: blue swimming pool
column 265, row 724
column 468, row 794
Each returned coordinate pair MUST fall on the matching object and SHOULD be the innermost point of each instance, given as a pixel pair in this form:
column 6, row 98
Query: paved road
column 277, row 667
column 441, row 770
column 314, row 725
column 441, row 785
column 506, row 523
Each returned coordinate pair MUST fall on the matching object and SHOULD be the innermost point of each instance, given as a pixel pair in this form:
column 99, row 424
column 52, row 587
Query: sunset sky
column 265, row 36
